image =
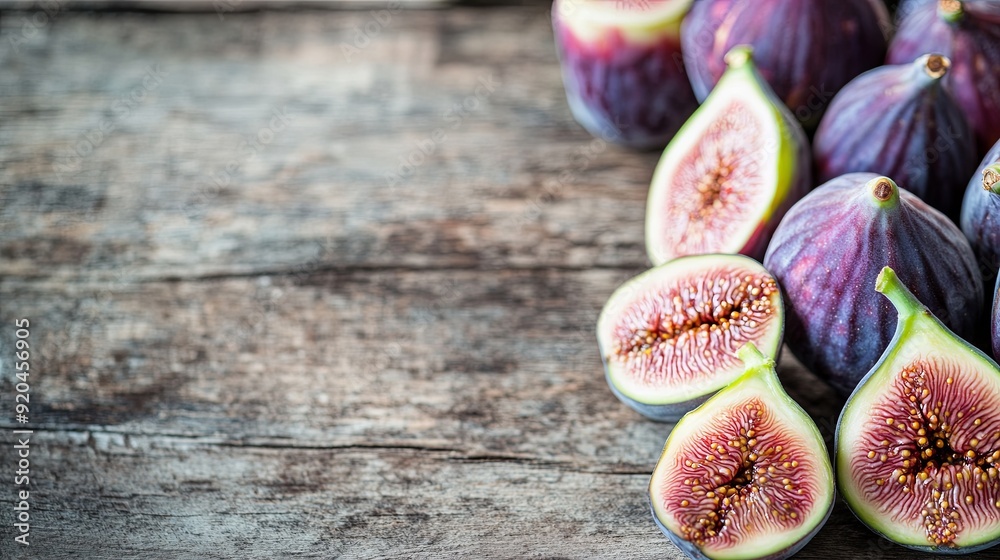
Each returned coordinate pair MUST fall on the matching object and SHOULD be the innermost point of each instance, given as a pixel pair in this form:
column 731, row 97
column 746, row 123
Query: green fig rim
column 688, row 265
column 778, row 147
column 649, row 23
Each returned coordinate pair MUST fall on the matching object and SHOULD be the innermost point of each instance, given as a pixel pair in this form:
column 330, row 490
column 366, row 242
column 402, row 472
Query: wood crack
column 292, row 272
column 451, row 454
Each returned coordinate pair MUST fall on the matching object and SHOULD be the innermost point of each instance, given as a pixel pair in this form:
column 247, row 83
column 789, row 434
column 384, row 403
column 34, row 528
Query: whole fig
column 621, row 67
column 806, row 50
column 995, row 321
column 981, row 213
column 827, row 252
column 968, row 33
column 898, row 121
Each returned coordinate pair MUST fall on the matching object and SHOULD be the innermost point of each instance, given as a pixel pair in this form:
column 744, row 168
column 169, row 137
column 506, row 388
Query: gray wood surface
column 230, row 6
column 312, row 360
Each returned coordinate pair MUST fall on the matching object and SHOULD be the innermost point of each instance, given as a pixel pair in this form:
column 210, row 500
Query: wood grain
column 312, row 360
column 480, row 199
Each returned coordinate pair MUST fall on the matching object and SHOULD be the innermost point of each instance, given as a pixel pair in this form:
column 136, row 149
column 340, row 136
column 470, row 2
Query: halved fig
column 745, row 475
column 918, row 443
column 669, row 336
column 730, row 173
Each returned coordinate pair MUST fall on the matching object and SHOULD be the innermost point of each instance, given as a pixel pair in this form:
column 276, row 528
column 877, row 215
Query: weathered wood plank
column 226, row 7
column 311, row 361
column 430, row 413
column 500, row 362
column 77, row 202
column 505, row 361
column 184, row 498
column 176, row 498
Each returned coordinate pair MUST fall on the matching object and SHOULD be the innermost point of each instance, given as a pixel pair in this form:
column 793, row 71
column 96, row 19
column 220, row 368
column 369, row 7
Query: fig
column 968, row 33
column 980, row 219
column 622, row 70
column 918, row 442
column 669, row 336
column 746, row 474
column 830, row 247
column 898, row 121
column 730, row 174
column 806, row 50
column 995, row 321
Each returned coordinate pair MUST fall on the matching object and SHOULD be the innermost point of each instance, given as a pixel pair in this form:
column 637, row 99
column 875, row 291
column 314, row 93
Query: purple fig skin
column 698, row 43
column 898, row 121
column 980, row 219
column 806, row 50
column 971, row 39
column 995, row 321
column 635, row 95
column 827, row 252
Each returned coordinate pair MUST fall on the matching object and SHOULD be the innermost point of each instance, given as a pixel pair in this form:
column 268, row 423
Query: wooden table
column 249, row 340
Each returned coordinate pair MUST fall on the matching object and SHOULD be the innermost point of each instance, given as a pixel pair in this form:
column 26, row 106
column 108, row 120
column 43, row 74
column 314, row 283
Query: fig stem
column 751, row 356
column 884, row 192
column 991, row 178
column 756, row 365
column 950, row 10
column 739, row 56
column 889, row 285
column 936, row 65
